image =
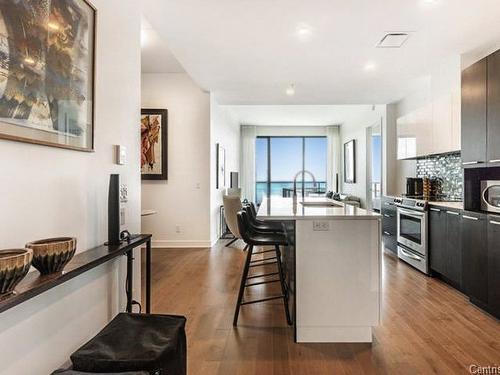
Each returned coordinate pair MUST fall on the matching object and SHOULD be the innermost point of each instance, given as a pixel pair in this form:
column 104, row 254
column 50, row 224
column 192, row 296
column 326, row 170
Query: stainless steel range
column 412, row 232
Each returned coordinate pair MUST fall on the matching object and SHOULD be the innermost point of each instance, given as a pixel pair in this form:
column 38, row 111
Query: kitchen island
column 333, row 267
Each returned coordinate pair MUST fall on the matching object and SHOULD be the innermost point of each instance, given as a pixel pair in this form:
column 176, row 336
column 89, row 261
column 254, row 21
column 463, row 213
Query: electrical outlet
column 177, row 229
column 321, row 226
column 122, row 216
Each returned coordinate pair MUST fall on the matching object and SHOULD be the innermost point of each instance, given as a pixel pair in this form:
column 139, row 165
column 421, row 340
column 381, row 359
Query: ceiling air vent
column 393, row 40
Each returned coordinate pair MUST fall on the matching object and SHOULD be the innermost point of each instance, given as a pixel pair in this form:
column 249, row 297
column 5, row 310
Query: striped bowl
column 14, row 265
column 51, row 255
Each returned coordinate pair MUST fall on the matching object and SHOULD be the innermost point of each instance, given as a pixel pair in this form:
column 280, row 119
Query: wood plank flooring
column 427, row 327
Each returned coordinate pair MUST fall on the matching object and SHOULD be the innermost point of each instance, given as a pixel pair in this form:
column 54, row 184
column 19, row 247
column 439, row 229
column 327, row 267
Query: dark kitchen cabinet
column 475, row 257
column 445, row 244
column 437, row 240
column 454, row 247
column 494, row 265
column 474, row 127
column 389, row 225
column 493, row 112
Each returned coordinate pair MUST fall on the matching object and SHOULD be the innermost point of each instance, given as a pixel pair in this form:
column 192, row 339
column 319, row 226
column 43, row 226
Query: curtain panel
column 333, row 169
column 247, row 168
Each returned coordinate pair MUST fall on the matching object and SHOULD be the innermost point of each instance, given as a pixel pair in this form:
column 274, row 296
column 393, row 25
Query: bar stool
column 260, row 225
column 255, row 238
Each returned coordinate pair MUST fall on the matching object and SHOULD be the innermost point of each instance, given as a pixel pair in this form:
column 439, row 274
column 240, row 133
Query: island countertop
column 317, row 208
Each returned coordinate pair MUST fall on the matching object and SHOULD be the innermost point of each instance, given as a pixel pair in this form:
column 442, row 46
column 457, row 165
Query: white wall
column 48, row 192
column 224, row 129
column 183, row 201
column 355, row 128
column 290, row 131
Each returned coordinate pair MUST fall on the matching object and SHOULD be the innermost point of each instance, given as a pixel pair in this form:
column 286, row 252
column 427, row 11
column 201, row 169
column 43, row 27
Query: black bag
column 71, row 372
column 136, row 342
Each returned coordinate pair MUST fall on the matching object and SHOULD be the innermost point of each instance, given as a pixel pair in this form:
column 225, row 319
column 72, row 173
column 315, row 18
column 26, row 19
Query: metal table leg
column 130, row 279
column 148, row 277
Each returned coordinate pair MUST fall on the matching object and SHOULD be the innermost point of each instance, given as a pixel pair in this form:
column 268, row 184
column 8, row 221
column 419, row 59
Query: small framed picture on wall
column 350, row 162
column 154, row 144
column 221, row 167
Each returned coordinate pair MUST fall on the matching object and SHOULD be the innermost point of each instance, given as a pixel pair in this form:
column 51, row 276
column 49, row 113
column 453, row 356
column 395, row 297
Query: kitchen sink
column 320, row 204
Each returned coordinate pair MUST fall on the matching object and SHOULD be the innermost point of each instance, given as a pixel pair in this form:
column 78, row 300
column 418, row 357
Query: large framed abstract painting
column 47, row 72
column 154, row 141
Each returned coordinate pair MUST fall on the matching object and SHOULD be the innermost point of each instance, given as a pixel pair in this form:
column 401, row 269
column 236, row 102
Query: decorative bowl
column 51, row 255
column 14, row 265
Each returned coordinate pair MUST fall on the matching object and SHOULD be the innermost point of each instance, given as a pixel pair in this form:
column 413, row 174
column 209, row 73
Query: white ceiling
column 249, row 51
column 301, row 115
column 156, row 57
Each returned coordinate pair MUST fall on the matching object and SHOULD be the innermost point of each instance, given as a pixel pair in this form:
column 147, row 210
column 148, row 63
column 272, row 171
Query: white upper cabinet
column 433, row 128
column 414, row 132
column 442, row 137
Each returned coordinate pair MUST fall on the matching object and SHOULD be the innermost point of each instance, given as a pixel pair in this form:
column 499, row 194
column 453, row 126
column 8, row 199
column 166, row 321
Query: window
column 279, row 159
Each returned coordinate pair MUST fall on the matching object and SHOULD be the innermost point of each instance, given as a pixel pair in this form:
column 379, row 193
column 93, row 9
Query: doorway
column 374, row 166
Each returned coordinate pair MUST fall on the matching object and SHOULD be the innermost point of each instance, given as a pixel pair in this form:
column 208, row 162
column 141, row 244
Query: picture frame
column 220, row 166
column 154, row 144
column 44, row 101
column 350, row 162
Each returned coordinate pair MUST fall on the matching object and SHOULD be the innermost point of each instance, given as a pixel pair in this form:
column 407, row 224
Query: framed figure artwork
column 154, row 144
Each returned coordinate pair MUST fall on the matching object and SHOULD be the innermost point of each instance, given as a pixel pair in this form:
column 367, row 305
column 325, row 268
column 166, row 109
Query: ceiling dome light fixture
column 370, row 66
column 303, row 32
column 290, row 91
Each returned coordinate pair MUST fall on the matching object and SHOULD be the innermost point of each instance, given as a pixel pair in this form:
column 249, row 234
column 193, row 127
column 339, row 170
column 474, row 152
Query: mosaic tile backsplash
column 448, row 169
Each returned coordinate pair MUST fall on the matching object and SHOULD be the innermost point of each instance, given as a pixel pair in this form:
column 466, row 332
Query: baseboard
column 334, row 334
column 181, row 244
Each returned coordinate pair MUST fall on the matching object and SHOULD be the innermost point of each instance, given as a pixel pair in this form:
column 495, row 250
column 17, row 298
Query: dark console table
column 34, row 283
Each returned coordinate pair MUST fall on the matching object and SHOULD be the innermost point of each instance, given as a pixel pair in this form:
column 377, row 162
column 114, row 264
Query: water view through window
column 279, row 159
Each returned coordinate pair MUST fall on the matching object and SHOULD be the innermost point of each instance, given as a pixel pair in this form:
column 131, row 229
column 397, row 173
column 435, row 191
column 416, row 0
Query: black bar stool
column 260, row 225
column 256, row 238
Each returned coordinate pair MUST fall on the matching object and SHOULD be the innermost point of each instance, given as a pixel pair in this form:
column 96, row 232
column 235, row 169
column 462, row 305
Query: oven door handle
column 411, row 213
column 410, row 255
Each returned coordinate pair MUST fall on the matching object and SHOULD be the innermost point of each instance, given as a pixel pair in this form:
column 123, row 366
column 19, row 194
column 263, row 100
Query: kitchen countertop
column 455, row 205
column 451, row 204
column 278, row 208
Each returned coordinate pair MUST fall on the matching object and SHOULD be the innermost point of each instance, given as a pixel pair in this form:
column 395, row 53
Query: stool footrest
column 262, row 300
column 263, row 282
column 263, row 275
column 262, row 264
column 264, row 251
column 262, row 260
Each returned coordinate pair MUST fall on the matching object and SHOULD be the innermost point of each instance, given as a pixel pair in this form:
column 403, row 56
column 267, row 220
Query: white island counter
column 337, row 268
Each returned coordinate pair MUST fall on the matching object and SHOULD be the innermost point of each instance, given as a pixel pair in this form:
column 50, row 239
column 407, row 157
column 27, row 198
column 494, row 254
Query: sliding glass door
column 279, row 159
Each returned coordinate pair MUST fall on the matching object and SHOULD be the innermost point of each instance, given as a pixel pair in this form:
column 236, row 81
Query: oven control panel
column 415, row 204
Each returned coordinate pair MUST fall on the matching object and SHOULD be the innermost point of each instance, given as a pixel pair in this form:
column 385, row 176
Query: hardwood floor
column 427, row 327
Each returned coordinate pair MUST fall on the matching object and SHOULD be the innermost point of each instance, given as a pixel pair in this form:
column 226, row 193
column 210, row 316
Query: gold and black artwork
column 47, row 72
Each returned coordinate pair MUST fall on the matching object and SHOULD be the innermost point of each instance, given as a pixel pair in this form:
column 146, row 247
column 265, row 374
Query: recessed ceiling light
column 370, row 66
column 290, row 91
column 303, row 31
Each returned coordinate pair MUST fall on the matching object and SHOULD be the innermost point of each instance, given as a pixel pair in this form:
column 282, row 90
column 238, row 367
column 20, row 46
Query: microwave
column 490, row 196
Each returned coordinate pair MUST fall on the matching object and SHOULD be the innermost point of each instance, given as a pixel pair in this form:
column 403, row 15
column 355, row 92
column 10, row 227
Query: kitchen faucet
column 302, row 172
